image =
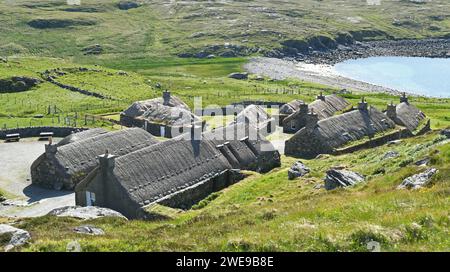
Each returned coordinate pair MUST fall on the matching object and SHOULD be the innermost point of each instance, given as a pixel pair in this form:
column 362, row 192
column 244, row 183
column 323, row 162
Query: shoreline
column 317, row 66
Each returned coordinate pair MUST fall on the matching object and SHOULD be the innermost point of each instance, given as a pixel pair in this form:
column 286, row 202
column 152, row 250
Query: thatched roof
column 175, row 113
column 408, row 116
column 291, row 107
column 253, row 115
column 159, row 170
column 140, row 107
column 81, row 136
column 81, row 156
column 324, row 108
column 336, row 131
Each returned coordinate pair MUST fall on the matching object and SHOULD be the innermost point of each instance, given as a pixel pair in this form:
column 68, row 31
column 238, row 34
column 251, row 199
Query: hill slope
column 198, row 28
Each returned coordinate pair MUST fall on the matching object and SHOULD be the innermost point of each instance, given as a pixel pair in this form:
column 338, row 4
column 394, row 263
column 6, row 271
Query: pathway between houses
column 25, row 199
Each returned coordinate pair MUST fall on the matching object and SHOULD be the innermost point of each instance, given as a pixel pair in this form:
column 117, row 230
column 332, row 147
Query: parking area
column 25, row 199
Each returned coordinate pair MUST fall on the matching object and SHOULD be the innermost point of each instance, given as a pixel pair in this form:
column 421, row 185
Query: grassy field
column 159, row 29
column 270, row 213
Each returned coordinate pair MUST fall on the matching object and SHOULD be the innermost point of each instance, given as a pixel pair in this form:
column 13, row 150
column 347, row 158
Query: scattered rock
column 419, row 180
column 18, row 84
column 239, row 76
column 126, row 5
column 90, row 230
column 59, row 23
column 342, row 178
column 390, row 155
column 298, row 169
column 423, row 162
column 4, row 60
column 95, row 49
column 395, row 142
column 17, row 237
column 446, row 132
column 85, row 212
column 2, row 198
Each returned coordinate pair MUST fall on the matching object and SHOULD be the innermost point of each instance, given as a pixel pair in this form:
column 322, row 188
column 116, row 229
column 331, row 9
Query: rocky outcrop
column 89, row 230
column 59, row 23
column 342, row 178
column 15, row 237
column 95, row 49
column 126, row 5
column 18, row 84
column 390, row 155
column 298, row 169
column 85, row 213
column 446, row 132
column 419, row 180
column 239, row 76
column 226, row 50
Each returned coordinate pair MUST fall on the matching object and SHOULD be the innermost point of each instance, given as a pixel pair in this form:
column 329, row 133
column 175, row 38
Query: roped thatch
column 291, row 107
column 408, row 115
column 254, row 115
column 80, row 157
column 336, row 131
column 324, row 108
column 171, row 116
column 79, row 136
column 140, row 107
column 159, row 170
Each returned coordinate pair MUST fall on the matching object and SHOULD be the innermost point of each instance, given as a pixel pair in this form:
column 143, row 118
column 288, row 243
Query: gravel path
column 282, row 69
column 25, row 199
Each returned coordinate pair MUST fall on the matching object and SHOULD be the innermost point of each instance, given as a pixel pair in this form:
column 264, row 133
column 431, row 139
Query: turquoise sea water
column 423, row 76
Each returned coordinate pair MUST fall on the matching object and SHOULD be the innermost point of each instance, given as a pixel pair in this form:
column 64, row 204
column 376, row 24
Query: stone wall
column 35, row 131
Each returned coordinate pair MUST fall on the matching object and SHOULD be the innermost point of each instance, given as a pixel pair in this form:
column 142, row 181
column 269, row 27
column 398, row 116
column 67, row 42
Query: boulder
column 298, row 169
column 85, row 213
column 390, row 155
column 18, row 84
column 239, row 76
column 342, row 178
column 419, row 180
column 446, row 132
column 17, row 237
column 126, row 5
column 95, row 49
column 423, row 162
column 89, row 230
column 2, row 198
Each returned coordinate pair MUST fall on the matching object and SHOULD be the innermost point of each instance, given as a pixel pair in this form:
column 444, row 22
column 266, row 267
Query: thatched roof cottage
column 160, row 116
column 324, row 107
column 177, row 173
column 62, row 167
column 324, row 136
column 405, row 114
column 291, row 107
column 256, row 116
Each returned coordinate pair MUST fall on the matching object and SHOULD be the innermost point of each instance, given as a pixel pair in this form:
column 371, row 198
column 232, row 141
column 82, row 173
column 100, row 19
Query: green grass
column 270, row 213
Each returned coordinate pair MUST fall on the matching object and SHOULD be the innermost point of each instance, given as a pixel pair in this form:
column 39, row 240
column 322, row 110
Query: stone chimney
column 311, row 120
column 321, row 96
column 304, row 109
column 391, row 111
column 166, row 97
column 196, row 132
column 403, row 98
column 107, row 162
column 51, row 148
column 363, row 104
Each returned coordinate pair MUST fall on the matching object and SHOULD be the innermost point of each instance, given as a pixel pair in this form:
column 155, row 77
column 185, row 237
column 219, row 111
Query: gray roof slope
column 253, row 115
column 291, row 107
column 159, row 170
column 81, row 136
column 173, row 116
column 140, row 107
column 81, row 156
column 409, row 116
column 338, row 130
column 324, row 109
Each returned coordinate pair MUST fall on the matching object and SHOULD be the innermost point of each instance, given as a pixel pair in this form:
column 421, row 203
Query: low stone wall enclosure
column 35, row 131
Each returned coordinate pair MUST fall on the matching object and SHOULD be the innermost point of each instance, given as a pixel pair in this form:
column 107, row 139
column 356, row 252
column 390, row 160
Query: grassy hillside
column 161, row 29
column 271, row 213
